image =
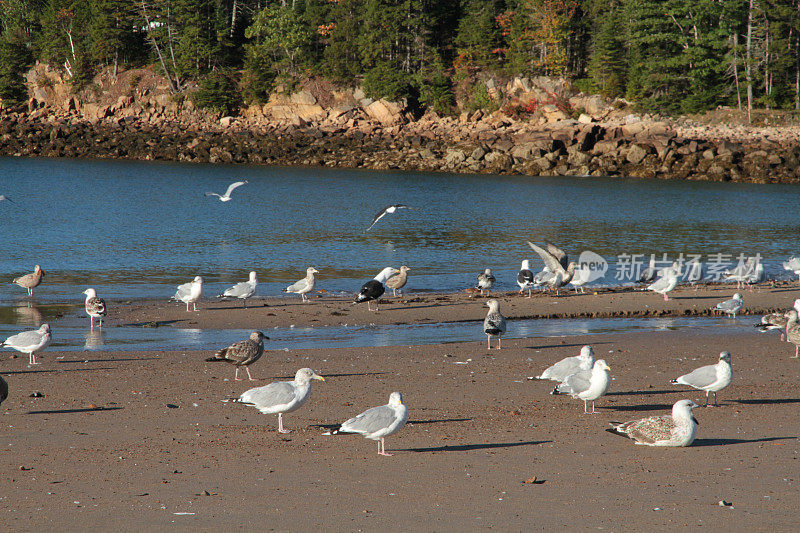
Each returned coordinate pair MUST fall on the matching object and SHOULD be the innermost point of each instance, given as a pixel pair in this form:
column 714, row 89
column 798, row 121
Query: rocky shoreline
column 350, row 131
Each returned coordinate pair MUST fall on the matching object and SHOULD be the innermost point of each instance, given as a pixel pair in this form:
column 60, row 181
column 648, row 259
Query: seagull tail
column 615, row 429
column 236, row 400
column 217, row 357
column 555, row 391
column 335, row 431
column 675, row 382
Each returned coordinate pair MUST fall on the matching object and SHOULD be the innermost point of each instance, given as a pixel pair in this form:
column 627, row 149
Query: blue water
column 137, row 229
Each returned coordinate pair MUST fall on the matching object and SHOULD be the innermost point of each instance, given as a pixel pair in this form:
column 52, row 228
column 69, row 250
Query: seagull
column 731, row 306
column 379, row 422
column 3, row 390
column 580, row 278
column 227, row 196
column 6, row 198
column 694, row 272
column 756, row 274
column 793, row 331
column 665, row 284
column 494, row 325
column 305, row 285
column 243, row 290
column 710, row 378
column 525, row 277
column 776, row 320
column 30, row 281
column 281, row 396
column 570, row 365
column 243, row 353
column 30, row 342
column 677, row 429
column 741, row 273
column 793, row 265
column 398, row 281
column 586, row 385
column 650, row 273
column 189, row 293
column 389, row 209
column 486, row 280
column 556, row 262
column 374, row 289
column 95, row 307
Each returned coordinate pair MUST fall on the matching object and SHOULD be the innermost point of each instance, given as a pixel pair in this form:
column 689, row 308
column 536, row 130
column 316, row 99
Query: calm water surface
column 135, row 229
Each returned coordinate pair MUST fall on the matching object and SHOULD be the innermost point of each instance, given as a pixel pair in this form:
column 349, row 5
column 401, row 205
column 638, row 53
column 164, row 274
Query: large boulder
column 385, row 112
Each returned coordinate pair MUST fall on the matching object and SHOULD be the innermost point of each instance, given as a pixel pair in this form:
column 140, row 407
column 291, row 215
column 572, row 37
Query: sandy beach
column 131, row 441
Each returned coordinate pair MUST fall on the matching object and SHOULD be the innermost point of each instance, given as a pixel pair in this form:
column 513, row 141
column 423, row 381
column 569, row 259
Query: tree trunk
column 736, row 70
column 748, row 67
column 158, row 49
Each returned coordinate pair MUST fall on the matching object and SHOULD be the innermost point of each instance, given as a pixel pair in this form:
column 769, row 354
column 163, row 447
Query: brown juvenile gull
column 398, row 281
column 486, row 280
column 556, row 261
column 494, row 325
column 710, row 378
column 243, row 353
column 30, row 281
column 95, row 307
column 227, row 196
column 586, row 385
column 677, row 429
column 305, row 285
column 793, row 331
column 777, row 320
column 243, row 290
column 281, row 396
column 379, row 422
column 190, row 293
column 30, row 342
column 374, row 289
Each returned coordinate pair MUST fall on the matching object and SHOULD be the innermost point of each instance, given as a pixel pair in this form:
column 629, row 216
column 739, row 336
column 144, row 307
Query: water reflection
column 95, row 338
column 28, row 314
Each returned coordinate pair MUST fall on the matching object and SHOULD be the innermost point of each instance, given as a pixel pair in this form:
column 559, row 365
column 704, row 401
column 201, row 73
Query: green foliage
column 278, row 39
column 479, row 98
column 15, row 59
column 383, row 81
column 218, row 92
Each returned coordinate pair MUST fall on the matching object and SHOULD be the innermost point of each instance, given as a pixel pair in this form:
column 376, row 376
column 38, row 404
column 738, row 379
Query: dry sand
column 128, row 440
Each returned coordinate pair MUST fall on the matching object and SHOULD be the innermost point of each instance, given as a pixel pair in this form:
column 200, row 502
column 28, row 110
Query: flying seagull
column 4, row 197
column 389, row 209
column 227, row 196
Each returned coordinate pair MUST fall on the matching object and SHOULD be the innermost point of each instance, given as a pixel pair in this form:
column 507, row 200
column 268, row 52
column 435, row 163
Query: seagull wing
column 559, row 254
column 213, row 194
column 379, row 216
column 232, row 186
column 549, row 260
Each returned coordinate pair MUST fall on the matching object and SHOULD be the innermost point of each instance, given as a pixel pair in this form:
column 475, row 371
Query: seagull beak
column 319, row 377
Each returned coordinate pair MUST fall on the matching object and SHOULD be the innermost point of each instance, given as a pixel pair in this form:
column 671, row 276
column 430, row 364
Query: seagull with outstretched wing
column 389, row 209
column 227, row 196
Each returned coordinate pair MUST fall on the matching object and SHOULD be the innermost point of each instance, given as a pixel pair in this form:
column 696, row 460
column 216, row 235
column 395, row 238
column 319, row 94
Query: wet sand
column 131, row 441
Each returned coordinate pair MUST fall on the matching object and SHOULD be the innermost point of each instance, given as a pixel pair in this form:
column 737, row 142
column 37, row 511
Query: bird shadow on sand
column 644, row 392
column 575, row 345
column 70, row 411
column 121, row 359
column 640, row 408
column 725, row 442
column 471, row 447
column 343, row 375
column 769, row 401
column 58, row 370
column 152, row 323
column 412, row 422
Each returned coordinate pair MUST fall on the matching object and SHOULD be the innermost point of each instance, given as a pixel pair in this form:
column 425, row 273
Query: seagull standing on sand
column 243, row 290
column 379, row 422
column 398, row 281
column 586, row 385
column 243, row 353
column 677, row 429
column 30, row 342
column 570, row 365
column 30, row 281
column 710, row 378
column 389, row 209
column 665, row 284
column 741, row 273
column 580, row 278
column 95, row 307
column 731, row 306
column 792, row 265
column 227, row 196
column 650, row 273
column 281, row 396
column 190, row 293
column 793, row 331
column 776, row 320
column 305, row 285
column 556, row 262
column 374, row 289
column 486, row 280
column 494, row 325
column 525, row 277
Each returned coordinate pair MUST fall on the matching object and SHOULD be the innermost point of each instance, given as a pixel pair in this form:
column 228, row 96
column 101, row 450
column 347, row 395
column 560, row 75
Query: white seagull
column 665, row 284
column 569, row 365
column 30, row 342
column 710, row 378
column 556, row 262
column 677, row 429
column 243, row 290
column 305, row 285
column 95, row 307
column 227, row 196
column 6, row 198
column 389, row 209
column 586, row 385
column 379, row 422
column 792, row 265
column 281, row 396
column 190, row 293
column 525, row 277
column 494, row 325
column 731, row 306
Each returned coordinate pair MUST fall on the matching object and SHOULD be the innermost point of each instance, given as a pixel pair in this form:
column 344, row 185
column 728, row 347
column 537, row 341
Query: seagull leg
column 796, row 352
column 194, row 305
column 382, row 450
column 32, row 359
column 248, row 373
column 91, row 321
column 499, row 342
column 101, row 322
column 593, row 411
column 236, row 377
column 280, row 425
column 488, row 342
column 585, row 407
column 706, row 405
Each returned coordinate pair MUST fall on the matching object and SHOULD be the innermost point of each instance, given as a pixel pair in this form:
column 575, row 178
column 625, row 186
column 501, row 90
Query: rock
column 774, row 160
column 585, row 119
column 227, row 122
column 636, row 153
column 577, row 159
column 552, row 113
column 387, row 113
column 454, row 156
column 303, row 98
column 498, row 161
column 478, row 153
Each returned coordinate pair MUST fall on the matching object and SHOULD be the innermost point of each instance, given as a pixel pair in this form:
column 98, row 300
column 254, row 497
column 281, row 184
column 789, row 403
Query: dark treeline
column 670, row 56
